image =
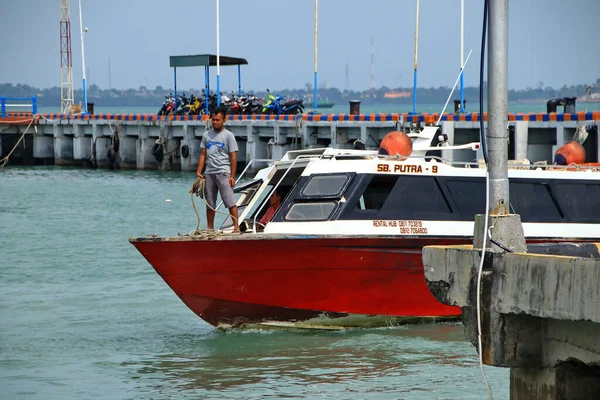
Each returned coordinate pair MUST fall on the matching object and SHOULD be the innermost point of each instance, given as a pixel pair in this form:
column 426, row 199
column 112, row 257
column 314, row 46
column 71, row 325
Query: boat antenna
column 460, row 74
column 315, row 88
column 462, row 55
column 415, row 64
column 372, row 66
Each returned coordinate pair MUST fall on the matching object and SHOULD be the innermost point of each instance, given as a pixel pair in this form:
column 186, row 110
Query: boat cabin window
column 329, row 185
column 246, row 192
column 534, row 199
column 468, row 195
column 310, row 211
column 377, row 192
column 381, row 196
column 580, row 199
column 420, row 195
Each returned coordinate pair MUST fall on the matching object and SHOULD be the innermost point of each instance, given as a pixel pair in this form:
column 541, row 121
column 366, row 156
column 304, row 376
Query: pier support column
column 128, row 147
column 280, row 146
column 171, row 161
column 190, row 163
column 521, row 139
column 364, row 135
column 100, row 145
column 82, row 146
column 255, row 149
column 448, row 129
column 279, row 150
column 336, row 142
column 43, row 148
column 143, row 148
column 63, row 147
column 566, row 381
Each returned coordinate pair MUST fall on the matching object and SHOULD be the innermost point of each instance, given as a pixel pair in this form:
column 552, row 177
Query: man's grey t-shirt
column 218, row 145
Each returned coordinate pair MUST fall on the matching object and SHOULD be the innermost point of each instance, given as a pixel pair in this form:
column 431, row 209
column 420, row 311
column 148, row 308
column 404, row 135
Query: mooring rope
column 198, row 189
column 4, row 161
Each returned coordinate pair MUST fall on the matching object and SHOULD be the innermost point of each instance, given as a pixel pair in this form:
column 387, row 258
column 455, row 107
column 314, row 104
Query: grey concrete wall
column 540, row 316
column 535, row 140
column 43, row 146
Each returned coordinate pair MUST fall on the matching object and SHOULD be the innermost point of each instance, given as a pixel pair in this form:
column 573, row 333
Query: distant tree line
column 143, row 96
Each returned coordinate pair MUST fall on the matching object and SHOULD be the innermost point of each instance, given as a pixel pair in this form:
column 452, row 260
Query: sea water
column 84, row 316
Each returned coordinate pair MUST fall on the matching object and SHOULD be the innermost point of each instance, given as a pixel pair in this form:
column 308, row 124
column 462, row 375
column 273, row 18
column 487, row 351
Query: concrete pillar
column 82, row 149
column 521, row 139
column 278, row 136
column 171, row 160
column 255, row 149
column 335, row 143
column 279, row 150
column 568, row 381
column 63, row 147
column 448, row 129
column 305, row 133
column 143, row 149
column 190, row 163
column 597, row 142
column 43, row 146
column 364, row 135
column 102, row 147
column 82, row 146
column 241, row 154
column 128, row 152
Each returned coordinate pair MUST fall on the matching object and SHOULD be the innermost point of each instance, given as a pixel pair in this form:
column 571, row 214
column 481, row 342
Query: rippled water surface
column 84, row 316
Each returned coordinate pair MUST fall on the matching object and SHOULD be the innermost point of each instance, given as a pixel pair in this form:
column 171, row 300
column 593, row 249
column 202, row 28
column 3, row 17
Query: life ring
column 157, row 152
column 185, row 151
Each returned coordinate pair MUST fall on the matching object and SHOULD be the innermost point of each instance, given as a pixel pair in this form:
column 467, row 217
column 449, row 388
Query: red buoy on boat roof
column 395, row 143
column 570, row 153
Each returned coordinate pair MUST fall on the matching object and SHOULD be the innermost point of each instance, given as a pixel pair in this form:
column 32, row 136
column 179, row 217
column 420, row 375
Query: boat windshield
column 246, row 193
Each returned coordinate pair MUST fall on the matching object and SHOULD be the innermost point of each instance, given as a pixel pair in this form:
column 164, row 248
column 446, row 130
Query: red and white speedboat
column 344, row 248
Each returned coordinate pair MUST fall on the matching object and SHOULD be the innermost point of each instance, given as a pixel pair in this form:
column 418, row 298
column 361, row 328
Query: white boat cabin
column 360, row 192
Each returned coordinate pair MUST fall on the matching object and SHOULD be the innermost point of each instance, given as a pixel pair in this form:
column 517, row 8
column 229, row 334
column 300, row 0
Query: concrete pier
column 540, row 313
column 69, row 140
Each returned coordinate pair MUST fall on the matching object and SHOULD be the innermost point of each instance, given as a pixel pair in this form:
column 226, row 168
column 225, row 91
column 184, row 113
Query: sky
column 551, row 42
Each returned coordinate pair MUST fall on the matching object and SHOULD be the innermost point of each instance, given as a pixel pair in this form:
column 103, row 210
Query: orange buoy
column 570, row 153
column 395, row 143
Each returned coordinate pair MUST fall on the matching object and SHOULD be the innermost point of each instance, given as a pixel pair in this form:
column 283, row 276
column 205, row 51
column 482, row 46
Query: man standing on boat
column 218, row 154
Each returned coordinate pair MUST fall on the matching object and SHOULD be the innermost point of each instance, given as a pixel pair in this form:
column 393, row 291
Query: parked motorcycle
column 168, row 105
column 193, row 106
column 181, row 104
column 274, row 105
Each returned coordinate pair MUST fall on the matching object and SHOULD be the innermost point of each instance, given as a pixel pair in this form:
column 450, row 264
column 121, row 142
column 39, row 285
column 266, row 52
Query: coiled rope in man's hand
column 198, row 190
column 198, row 187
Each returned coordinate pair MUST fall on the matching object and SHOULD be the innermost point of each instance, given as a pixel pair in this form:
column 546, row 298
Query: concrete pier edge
column 536, row 136
column 540, row 313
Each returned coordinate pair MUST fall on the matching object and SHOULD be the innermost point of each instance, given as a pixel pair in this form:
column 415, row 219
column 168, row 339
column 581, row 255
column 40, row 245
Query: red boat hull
column 237, row 282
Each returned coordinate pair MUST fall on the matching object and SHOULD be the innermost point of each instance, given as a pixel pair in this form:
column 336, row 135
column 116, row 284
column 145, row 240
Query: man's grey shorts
column 218, row 182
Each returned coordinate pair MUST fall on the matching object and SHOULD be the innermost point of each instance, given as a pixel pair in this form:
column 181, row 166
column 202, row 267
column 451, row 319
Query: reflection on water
column 357, row 361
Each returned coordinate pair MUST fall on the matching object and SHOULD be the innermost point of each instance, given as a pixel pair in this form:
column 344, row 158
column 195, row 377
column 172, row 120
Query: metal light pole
column 497, row 132
column 84, row 108
column 218, row 59
column 315, row 101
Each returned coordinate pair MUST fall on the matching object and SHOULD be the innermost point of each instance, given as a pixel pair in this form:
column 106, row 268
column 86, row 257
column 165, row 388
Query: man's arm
column 233, row 164
column 201, row 163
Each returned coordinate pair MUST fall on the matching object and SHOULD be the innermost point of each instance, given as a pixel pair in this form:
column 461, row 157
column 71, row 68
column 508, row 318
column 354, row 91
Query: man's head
column 275, row 199
column 218, row 119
